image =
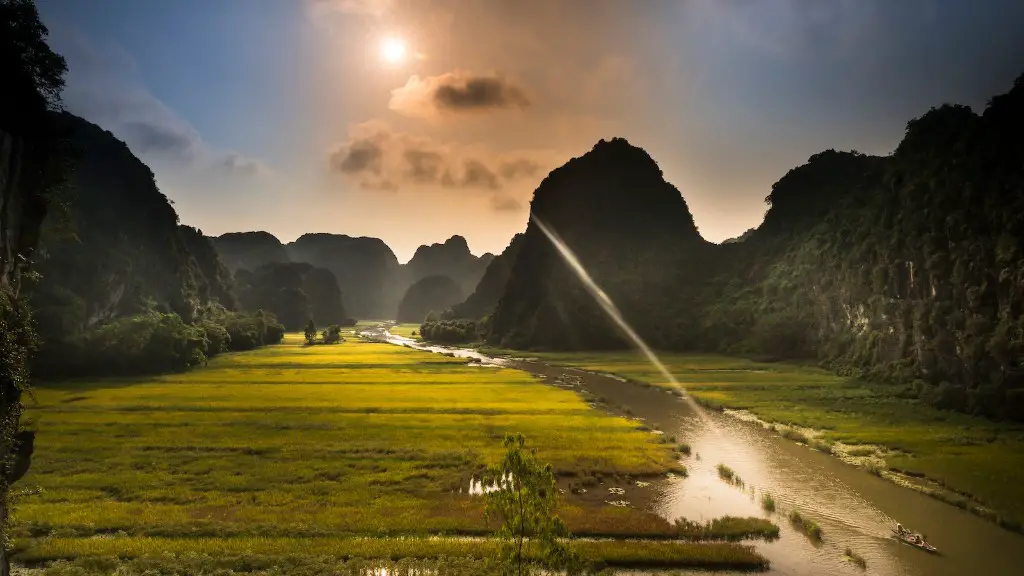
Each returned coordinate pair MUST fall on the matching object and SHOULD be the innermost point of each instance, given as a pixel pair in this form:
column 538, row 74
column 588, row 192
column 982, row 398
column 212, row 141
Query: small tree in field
column 310, row 332
column 525, row 502
column 332, row 335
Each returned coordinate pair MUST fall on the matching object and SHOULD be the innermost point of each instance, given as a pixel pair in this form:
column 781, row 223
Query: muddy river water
column 854, row 508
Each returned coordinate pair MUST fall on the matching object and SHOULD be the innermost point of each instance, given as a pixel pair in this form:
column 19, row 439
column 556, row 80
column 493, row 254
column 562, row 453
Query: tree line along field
column 975, row 458
column 320, row 451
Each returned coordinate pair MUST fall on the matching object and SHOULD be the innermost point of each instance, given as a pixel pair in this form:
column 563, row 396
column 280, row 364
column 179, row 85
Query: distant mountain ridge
column 371, row 280
column 366, row 269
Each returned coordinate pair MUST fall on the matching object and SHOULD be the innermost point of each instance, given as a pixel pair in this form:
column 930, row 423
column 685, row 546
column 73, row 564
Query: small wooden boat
column 909, row 539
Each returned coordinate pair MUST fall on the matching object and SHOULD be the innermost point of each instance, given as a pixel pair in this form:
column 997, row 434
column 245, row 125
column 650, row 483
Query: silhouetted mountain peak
column 457, row 243
column 616, row 186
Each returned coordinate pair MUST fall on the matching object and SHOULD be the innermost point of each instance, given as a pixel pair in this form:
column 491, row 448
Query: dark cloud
column 456, row 92
column 518, row 168
column 363, row 155
column 477, row 175
column 237, row 162
column 381, row 184
column 157, row 138
column 379, row 158
column 479, row 92
column 502, row 203
column 424, row 166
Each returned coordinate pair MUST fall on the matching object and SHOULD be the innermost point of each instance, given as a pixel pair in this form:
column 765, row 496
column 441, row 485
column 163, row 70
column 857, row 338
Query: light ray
column 612, row 310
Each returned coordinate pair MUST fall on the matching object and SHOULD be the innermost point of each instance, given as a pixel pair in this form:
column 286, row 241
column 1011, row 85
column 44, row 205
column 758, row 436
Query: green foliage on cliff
column 488, row 291
column 294, row 292
column 430, row 294
column 915, row 275
column 366, row 270
column 907, row 269
column 632, row 232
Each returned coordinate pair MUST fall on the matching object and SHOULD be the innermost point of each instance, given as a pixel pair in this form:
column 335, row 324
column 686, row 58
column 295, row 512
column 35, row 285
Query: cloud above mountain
column 457, row 92
column 377, row 157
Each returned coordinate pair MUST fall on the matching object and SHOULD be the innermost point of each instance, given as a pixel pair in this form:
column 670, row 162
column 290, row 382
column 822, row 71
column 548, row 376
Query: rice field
column 968, row 455
column 332, row 450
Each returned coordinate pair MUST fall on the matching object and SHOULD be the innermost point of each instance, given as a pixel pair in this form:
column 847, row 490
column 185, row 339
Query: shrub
column 809, row 527
column 856, row 558
column 450, row 331
column 155, row 342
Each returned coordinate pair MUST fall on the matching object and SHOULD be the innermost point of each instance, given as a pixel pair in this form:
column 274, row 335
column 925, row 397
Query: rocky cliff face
column 249, row 250
column 431, row 294
column 452, row 259
column 632, row 232
column 367, row 270
column 126, row 253
column 214, row 282
column 294, row 292
column 909, row 268
column 484, row 298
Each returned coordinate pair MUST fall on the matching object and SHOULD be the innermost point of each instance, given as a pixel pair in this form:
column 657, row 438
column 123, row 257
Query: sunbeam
column 613, row 311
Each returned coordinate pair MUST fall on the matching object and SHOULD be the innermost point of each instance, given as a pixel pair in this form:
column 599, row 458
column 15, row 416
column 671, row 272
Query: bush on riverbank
column 730, row 528
column 807, row 526
column 451, row 331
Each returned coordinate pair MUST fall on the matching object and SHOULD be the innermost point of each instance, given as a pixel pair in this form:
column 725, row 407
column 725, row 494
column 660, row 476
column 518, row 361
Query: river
column 854, row 508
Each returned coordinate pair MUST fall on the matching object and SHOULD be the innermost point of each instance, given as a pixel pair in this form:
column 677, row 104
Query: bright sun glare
column 392, row 50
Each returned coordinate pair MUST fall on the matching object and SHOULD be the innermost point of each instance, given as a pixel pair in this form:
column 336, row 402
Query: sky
column 414, row 120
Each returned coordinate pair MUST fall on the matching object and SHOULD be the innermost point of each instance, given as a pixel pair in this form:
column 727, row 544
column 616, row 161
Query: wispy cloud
column 101, row 87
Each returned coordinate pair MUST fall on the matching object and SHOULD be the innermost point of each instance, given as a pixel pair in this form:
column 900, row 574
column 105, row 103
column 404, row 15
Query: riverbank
column 328, row 449
column 969, row 462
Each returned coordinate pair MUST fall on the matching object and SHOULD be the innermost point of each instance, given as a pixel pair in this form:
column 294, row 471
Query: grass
column 305, row 450
column 406, row 330
column 768, row 502
column 727, row 528
column 727, row 474
column 806, row 526
column 976, row 458
column 856, row 559
column 270, row 551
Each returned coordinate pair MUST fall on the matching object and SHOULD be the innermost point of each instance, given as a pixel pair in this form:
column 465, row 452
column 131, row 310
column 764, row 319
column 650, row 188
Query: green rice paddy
column 352, row 450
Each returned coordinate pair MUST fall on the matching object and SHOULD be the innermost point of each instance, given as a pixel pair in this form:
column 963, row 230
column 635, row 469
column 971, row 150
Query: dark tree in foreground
column 30, row 175
column 532, row 537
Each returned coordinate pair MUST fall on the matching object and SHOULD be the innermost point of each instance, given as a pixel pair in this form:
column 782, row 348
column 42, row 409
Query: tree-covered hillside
column 124, row 254
column 633, row 233
column 431, row 294
column 907, row 268
column 294, row 291
column 367, row 270
column 916, row 275
column 249, row 250
column 451, row 258
column 121, row 287
column 488, row 291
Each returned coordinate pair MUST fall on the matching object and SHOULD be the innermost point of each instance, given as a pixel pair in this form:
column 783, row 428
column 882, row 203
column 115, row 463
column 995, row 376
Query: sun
column 392, row 50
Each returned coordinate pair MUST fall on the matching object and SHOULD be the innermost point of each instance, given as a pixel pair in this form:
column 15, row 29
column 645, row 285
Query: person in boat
column 900, row 529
